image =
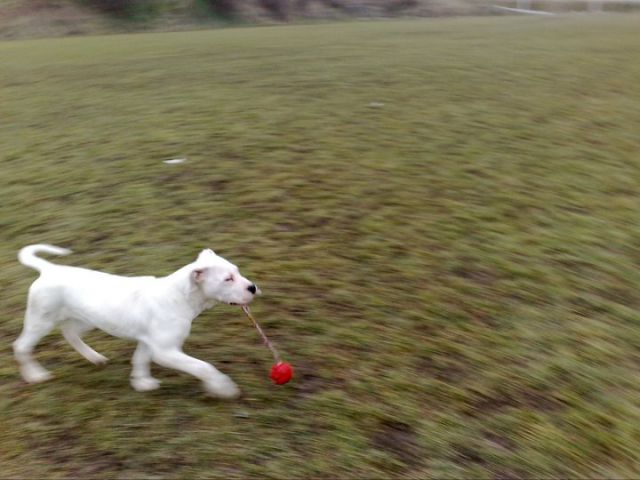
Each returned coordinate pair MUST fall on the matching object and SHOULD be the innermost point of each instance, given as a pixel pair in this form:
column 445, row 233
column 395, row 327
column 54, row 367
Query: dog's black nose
column 252, row 289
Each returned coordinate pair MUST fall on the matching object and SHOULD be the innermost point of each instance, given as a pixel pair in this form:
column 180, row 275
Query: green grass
column 454, row 274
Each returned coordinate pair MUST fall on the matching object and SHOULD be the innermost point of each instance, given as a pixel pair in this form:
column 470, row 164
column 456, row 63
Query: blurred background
column 439, row 200
column 30, row 18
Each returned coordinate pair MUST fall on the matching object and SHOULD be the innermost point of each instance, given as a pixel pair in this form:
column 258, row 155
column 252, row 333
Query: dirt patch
column 307, row 381
column 541, row 401
column 466, row 454
column 487, row 404
column 530, row 399
column 101, row 463
column 499, row 441
column 448, row 371
column 399, row 440
column 476, row 274
column 585, row 307
column 620, row 295
column 507, row 475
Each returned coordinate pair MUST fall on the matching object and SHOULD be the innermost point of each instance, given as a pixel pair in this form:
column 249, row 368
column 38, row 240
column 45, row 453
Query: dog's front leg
column 215, row 382
column 141, row 379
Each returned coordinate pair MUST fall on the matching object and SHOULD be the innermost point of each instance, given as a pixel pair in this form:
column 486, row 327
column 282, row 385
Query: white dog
column 155, row 312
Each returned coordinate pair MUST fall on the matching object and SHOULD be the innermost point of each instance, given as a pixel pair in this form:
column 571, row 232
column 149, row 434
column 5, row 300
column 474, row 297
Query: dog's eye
column 229, row 279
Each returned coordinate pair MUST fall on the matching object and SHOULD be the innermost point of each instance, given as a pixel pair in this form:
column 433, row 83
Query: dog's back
column 80, row 294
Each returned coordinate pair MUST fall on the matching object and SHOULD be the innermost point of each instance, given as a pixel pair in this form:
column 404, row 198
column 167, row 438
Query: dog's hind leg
column 36, row 326
column 72, row 331
column 141, row 379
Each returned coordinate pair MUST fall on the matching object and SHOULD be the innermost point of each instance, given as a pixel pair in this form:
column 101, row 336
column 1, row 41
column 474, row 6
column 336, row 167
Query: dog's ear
column 207, row 252
column 198, row 274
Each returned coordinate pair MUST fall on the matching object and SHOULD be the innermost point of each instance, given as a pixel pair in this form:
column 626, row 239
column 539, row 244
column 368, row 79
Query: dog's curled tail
column 27, row 255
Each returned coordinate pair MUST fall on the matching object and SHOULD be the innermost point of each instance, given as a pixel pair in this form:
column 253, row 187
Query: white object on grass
column 157, row 312
column 522, row 10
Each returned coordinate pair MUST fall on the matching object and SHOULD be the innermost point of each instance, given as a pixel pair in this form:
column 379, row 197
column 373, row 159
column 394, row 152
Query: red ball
column 281, row 373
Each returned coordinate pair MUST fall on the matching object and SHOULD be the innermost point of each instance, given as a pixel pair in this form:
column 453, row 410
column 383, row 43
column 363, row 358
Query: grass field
column 443, row 216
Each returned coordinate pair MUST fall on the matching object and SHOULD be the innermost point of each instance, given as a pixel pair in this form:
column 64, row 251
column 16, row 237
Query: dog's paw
column 223, row 387
column 97, row 359
column 145, row 384
column 35, row 374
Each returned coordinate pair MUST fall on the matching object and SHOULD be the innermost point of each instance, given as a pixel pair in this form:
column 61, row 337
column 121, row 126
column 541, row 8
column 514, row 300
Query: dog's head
column 220, row 280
